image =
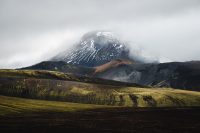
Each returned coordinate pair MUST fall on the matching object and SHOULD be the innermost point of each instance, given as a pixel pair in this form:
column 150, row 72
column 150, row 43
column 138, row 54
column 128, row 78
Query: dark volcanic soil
column 117, row 120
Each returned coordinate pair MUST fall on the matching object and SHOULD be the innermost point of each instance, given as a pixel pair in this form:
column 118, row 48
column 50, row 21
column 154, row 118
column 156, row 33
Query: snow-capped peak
column 95, row 48
column 107, row 34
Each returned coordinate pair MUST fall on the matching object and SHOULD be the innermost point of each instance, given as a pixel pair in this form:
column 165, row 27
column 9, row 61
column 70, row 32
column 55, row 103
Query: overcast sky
column 35, row 30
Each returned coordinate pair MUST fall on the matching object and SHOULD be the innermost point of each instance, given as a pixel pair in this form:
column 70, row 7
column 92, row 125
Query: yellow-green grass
column 33, row 73
column 15, row 105
column 140, row 97
column 162, row 97
column 56, row 75
column 79, row 92
column 105, row 95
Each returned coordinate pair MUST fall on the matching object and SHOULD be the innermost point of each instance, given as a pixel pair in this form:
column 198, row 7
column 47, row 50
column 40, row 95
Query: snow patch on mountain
column 95, row 48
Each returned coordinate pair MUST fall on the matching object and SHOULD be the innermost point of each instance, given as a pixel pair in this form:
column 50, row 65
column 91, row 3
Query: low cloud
column 33, row 31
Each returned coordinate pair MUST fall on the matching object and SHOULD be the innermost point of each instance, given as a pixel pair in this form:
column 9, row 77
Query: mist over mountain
column 99, row 47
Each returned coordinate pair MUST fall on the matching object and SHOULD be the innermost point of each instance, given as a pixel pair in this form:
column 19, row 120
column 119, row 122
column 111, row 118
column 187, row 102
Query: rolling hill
column 58, row 86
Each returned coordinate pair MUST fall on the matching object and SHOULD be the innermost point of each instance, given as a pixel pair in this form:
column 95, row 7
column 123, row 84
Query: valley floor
column 25, row 115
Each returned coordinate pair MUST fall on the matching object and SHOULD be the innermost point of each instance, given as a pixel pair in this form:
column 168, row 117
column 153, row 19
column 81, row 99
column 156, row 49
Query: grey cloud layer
column 33, row 30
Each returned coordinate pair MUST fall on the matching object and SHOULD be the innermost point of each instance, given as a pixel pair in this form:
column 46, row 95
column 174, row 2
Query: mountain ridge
column 181, row 75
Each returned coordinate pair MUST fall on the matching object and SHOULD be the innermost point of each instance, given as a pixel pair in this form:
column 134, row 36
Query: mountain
column 103, row 55
column 94, row 49
column 183, row 75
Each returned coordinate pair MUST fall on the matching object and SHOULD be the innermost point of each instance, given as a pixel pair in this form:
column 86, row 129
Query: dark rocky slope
column 182, row 75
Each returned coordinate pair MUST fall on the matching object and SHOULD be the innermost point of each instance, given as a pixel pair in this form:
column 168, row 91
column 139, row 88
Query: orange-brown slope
column 111, row 64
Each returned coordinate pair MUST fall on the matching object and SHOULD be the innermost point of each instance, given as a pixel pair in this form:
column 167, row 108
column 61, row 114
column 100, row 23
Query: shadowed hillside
column 180, row 75
column 35, row 116
column 62, row 67
column 56, row 75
